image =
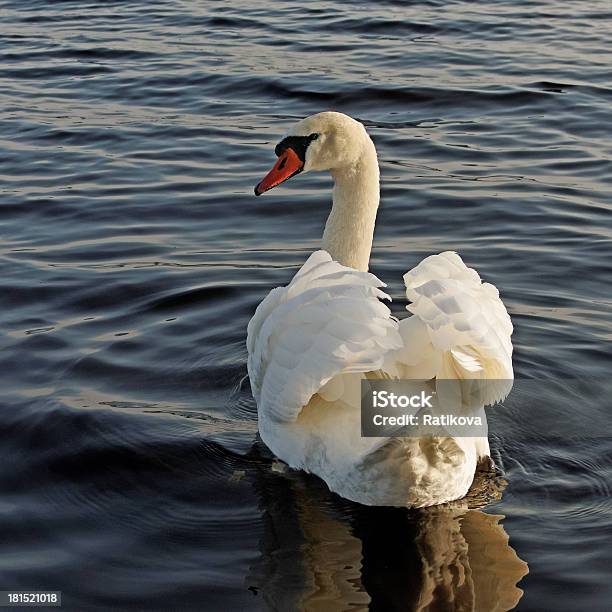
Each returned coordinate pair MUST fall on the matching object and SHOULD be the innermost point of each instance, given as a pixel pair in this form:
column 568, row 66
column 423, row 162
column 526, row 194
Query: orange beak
column 287, row 165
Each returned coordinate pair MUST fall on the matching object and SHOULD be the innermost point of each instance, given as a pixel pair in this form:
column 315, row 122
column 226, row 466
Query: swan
column 310, row 343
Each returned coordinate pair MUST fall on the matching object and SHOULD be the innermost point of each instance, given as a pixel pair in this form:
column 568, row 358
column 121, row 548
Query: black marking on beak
column 298, row 143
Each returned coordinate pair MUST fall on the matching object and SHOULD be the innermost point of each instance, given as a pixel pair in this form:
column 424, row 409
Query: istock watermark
column 565, row 409
column 419, row 408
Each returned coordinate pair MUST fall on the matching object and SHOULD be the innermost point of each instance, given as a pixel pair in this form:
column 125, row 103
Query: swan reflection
column 320, row 552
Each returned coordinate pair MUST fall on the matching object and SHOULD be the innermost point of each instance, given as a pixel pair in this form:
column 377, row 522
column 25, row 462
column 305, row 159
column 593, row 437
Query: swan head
column 325, row 141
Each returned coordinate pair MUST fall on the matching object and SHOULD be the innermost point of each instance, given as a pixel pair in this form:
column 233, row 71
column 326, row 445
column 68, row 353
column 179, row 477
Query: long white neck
column 349, row 230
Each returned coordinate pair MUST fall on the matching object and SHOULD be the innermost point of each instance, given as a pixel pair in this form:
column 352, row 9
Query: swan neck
column 349, row 230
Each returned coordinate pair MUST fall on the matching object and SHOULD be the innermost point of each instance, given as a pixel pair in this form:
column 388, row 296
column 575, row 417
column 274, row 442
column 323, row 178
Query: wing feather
column 460, row 327
column 328, row 321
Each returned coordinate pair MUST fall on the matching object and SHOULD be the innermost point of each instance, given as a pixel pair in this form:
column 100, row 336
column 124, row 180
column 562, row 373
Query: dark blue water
column 133, row 254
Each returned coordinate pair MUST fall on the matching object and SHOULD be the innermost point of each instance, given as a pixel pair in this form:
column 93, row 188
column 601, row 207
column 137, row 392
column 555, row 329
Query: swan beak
column 287, row 165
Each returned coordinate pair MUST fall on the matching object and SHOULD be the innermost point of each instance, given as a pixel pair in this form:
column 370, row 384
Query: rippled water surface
column 133, row 254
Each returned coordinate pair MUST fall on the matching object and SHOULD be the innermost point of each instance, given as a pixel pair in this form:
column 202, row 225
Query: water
column 133, row 254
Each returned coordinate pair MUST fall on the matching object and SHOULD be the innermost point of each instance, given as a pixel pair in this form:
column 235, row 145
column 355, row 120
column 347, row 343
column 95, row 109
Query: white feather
column 463, row 318
column 310, row 344
column 328, row 321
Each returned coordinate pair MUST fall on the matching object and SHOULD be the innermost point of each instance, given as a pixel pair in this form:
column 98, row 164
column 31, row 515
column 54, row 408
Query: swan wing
column 460, row 328
column 328, row 321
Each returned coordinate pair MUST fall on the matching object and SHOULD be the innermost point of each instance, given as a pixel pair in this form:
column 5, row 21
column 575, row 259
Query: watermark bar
column 31, row 599
column 577, row 408
column 413, row 408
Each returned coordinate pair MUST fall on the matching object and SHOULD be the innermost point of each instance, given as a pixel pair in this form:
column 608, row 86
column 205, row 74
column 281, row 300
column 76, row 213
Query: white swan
column 311, row 342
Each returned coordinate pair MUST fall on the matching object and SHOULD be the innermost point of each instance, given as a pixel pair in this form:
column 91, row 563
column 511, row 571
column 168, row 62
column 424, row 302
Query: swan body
column 311, row 342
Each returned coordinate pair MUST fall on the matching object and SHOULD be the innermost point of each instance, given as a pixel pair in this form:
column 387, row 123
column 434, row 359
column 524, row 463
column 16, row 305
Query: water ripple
column 133, row 254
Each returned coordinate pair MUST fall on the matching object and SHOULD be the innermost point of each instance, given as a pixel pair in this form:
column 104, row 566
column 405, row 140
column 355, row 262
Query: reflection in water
column 320, row 552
